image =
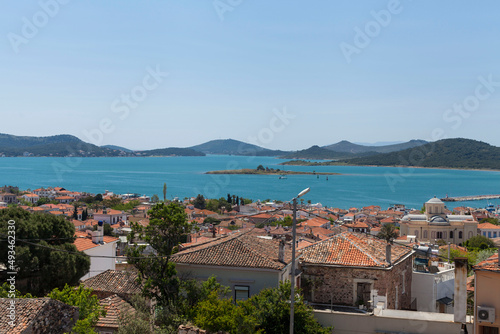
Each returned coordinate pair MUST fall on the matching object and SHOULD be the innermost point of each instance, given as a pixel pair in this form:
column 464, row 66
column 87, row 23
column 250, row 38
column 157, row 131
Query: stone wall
column 336, row 285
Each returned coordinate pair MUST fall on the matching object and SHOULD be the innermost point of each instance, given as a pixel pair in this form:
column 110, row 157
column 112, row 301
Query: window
column 241, row 292
column 416, row 233
column 425, row 234
column 440, row 235
column 451, row 234
column 494, row 234
column 488, row 330
column 460, row 235
column 444, row 235
column 433, row 235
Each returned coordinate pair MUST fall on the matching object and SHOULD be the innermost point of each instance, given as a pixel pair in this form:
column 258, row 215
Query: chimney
column 460, row 299
column 100, row 229
column 388, row 254
column 281, row 251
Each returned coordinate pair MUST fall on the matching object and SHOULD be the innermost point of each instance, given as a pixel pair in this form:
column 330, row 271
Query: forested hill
column 346, row 146
column 67, row 145
column 445, row 153
column 57, row 146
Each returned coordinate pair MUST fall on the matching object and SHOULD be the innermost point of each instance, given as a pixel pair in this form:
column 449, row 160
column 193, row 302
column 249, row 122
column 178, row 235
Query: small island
column 261, row 170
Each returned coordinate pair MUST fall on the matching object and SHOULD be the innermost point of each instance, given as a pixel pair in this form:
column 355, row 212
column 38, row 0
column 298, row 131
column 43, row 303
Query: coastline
column 320, row 164
column 247, row 171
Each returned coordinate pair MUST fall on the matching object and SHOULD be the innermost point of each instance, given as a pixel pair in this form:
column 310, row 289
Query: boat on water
column 282, row 176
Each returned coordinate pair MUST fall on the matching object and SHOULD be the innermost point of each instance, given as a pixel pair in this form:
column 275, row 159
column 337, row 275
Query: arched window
column 444, row 235
column 470, row 234
column 460, row 235
column 451, row 234
column 425, row 234
column 416, row 233
column 433, row 235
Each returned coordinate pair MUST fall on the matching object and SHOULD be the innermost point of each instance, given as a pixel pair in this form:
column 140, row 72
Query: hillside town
column 369, row 268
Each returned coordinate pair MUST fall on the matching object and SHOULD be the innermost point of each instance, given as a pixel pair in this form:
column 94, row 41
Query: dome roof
column 437, row 219
column 435, row 200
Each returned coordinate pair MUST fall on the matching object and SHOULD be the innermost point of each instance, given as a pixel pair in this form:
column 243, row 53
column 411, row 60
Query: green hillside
column 446, row 153
column 346, row 146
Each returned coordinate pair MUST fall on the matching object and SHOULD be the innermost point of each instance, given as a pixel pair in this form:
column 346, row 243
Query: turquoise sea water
column 357, row 186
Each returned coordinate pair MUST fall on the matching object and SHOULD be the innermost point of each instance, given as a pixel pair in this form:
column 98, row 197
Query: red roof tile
column 352, row 249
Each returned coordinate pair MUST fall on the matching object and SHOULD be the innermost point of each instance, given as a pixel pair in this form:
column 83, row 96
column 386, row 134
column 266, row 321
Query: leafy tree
column 167, row 227
column 493, row 221
column 138, row 322
column 479, row 242
column 5, row 292
column 260, row 168
column 89, row 309
column 211, row 220
column 267, row 312
column 43, row 200
column 155, row 198
column 127, row 206
column 98, row 198
column 164, row 192
column 112, row 202
column 46, row 257
column 85, row 214
column 75, row 212
column 199, row 202
column 107, row 229
column 388, row 232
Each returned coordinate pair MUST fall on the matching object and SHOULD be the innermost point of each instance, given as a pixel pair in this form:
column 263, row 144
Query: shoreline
column 247, row 171
column 393, row 166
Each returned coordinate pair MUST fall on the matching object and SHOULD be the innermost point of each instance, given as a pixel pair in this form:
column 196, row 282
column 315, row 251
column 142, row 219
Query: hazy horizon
column 281, row 75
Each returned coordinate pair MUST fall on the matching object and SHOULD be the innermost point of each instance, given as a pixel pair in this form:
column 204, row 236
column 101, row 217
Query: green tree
column 199, row 202
column 479, row 242
column 5, row 292
column 155, row 198
column 89, row 309
column 164, row 192
column 43, row 200
column 167, row 227
column 75, row 211
column 388, row 232
column 107, row 229
column 85, row 214
column 46, row 257
column 98, row 198
column 260, row 168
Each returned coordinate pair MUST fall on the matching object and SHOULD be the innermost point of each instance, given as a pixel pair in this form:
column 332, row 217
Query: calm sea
column 184, row 176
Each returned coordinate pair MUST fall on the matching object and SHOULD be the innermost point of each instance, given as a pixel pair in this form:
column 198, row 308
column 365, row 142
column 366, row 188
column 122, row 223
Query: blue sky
column 281, row 74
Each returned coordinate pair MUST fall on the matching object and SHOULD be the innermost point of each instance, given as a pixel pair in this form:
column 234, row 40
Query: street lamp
column 294, row 235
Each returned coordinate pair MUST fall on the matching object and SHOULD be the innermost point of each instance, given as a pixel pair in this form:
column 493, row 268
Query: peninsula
column 260, row 170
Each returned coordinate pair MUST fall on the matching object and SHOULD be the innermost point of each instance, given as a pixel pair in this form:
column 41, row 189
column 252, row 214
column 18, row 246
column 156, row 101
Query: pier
column 469, row 198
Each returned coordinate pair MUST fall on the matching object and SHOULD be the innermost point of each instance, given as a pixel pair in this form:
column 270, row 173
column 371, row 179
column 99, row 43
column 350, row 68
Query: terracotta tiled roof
column 488, row 226
column 352, row 249
column 315, row 222
column 490, row 264
column 84, row 242
column 34, row 313
column 116, row 309
column 114, row 281
column 108, row 212
column 238, row 250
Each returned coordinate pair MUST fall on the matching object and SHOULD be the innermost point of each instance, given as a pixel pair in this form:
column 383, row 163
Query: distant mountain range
column 345, row 146
column 235, row 147
column 447, row 153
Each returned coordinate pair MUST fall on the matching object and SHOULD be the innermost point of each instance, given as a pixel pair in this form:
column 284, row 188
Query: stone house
column 486, row 296
column 36, row 316
column 357, row 269
column 245, row 262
